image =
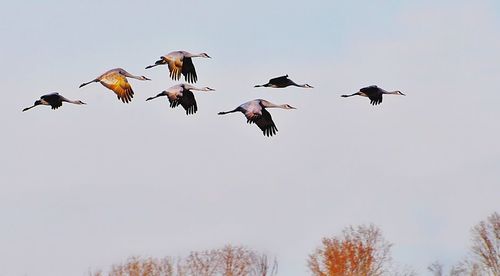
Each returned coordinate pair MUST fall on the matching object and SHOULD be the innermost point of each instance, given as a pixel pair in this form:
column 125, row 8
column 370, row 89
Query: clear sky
column 87, row 186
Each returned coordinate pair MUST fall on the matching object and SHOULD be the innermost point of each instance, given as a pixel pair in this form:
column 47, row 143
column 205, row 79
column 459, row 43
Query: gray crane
column 116, row 80
column 54, row 100
column 282, row 82
column 182, row 94
column 374, row 93
column 255, row 112
column 180, row 62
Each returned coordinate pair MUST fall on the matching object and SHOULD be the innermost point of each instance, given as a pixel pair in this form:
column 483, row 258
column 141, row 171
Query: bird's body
column 255, row 112
column 282, row 82
column 180, row 63
column 116, row 80
column 374, row 93
column 182, row 94
column 54, row 100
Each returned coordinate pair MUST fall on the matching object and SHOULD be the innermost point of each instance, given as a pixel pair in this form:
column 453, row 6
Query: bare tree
column 226, row 261
column 486, row 244
column 136, row 266
column 436, row 268
column 485, row 252
column 235, row 261
column 204, row 263
column 360, row 251
column 262, row 266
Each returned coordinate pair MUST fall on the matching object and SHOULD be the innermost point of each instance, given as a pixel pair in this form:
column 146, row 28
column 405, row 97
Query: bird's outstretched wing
column 375, row 99
column 118, row 84
column 373, row 93
column 264, row 122
column 283, row 80
column 188, row 70
column 175, row 68
column 369, row 89
column 54, row 99
column 188, row 102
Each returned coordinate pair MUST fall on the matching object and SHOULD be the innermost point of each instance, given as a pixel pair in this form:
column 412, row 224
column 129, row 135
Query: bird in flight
column 116, row 80
column 180, row 62
column 374, row 93
column 54, row 100
column 282, row 82
column 182, row 94
column 255, row 112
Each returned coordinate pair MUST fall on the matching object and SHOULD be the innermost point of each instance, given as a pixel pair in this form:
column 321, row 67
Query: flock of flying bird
column 180, row 63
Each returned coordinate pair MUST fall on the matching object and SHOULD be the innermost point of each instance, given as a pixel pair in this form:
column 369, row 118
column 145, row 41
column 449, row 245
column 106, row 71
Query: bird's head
column 205, row 55
column 207, row 89
column 307, row 86
column 287, row 106
column 80, row 102
column 400, row 93
column 144, row 78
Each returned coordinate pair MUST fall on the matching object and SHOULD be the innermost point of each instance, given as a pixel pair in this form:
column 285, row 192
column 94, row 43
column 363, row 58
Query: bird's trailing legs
column 83, row 84
column 354, row 94
column 164, row 93
column 158, row 62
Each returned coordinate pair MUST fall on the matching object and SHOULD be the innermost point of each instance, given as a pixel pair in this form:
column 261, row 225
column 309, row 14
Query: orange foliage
column 358, row 252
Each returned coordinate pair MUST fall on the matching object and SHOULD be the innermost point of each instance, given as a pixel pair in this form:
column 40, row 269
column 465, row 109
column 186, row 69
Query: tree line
column 357, row 251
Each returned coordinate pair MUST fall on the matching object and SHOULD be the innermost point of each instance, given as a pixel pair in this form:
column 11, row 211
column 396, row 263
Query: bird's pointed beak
column 145, row 78
column 291, row 107
column 210, row 89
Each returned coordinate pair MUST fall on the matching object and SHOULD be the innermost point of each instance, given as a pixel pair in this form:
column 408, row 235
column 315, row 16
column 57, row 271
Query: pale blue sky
column 87, row 186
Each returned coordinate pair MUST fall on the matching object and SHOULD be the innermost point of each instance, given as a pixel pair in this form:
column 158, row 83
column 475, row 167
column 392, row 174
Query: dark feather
column 53, row 99
column 188, row 70
column 265, row 123
column 188, row 102
column 373, row 93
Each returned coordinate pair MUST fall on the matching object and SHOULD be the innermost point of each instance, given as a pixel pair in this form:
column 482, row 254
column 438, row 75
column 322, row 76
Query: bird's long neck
column 391, row 92
column 74, row 101
column 196, row 55
column 305, row 85
column 134, row 77
column 267, row 104
column 204, row 89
